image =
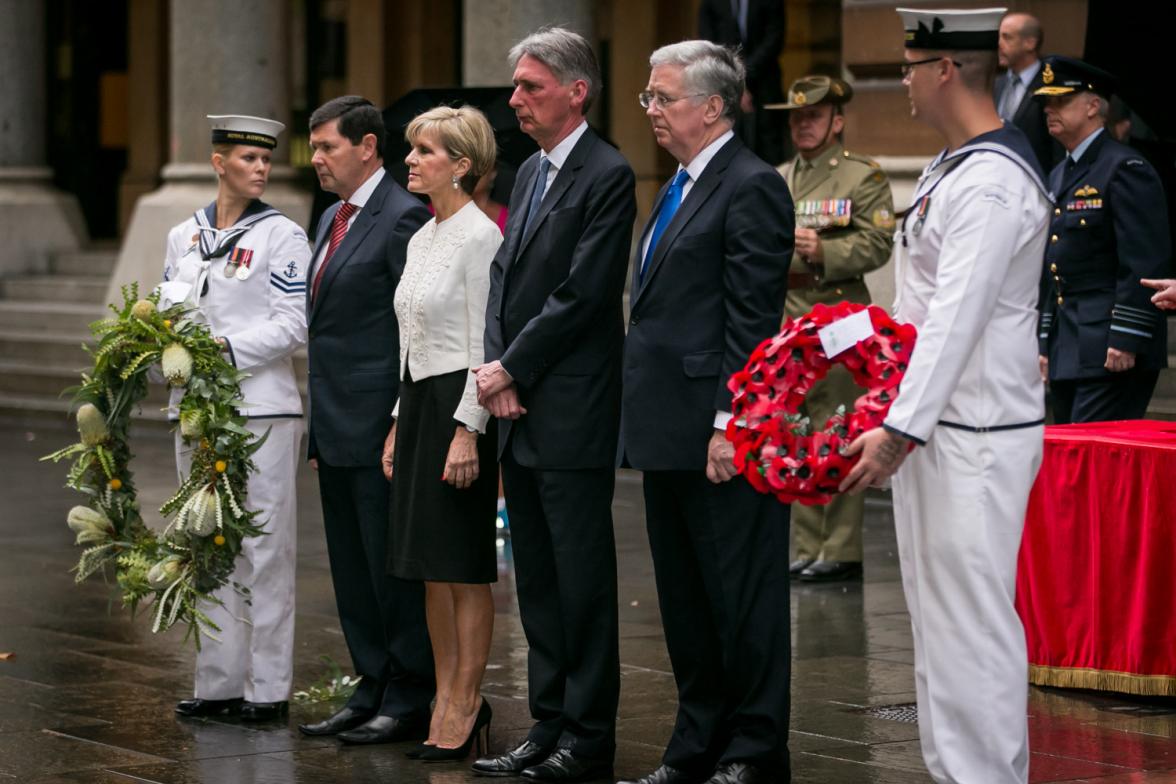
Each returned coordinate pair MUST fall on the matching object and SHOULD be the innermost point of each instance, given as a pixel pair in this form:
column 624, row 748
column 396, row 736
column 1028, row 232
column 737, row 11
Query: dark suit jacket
column 1030, row 118
column 554, row 316
column 353, row 338
column 761, row 51
column 1109, row 228
column 712, row 291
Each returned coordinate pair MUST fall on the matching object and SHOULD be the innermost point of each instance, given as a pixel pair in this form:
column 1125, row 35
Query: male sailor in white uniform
column 968, row 261
column 242, row 264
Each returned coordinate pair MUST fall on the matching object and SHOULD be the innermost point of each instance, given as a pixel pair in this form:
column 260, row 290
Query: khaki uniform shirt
column 848, row 197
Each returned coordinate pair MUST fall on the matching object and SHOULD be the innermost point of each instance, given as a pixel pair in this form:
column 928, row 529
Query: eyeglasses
column 906, row 68
column 661, row 101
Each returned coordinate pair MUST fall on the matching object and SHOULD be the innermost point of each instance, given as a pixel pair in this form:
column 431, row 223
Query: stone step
column 55, row 288
column 33, row 379
column 96, row 262
column 63, row 350
column 56, row 317
column 35, row 410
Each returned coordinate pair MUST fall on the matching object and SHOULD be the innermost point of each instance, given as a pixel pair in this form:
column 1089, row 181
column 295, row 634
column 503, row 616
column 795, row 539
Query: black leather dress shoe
column 199, row 707
column 513, row 762
column 666, row 775
column 740, row 773
column 385, row 729
column 563, row 765
column 831, row 571
column 345, row 719
column 799, row 565
column 264, row 711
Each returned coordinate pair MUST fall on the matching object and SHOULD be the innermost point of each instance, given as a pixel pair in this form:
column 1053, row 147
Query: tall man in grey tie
column 554, row 329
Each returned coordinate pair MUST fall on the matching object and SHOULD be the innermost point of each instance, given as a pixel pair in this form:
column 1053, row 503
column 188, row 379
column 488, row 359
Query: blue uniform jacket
column 1109, row 228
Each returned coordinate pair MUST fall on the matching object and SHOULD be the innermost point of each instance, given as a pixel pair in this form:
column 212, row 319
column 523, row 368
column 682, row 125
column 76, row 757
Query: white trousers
column 254, row 658
column 959, row 509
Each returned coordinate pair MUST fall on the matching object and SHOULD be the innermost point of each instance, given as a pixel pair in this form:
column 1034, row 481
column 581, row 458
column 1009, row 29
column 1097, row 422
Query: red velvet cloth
column 1096, row 582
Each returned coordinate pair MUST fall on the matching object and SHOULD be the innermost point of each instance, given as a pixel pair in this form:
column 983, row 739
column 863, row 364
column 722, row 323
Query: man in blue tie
column 709, row 285
column 554, row 329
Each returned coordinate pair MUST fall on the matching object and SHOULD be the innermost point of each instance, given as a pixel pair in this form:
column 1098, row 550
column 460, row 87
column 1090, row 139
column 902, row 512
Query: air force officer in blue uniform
column 1102, row 340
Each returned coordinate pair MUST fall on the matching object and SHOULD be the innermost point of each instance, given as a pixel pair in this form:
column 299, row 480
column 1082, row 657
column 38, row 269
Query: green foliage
column 128, row 346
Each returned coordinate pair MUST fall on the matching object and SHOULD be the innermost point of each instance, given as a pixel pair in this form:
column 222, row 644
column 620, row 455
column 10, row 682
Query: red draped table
column 1096, row 582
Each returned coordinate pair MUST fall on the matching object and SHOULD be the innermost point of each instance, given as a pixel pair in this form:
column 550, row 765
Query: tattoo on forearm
column 889, row 451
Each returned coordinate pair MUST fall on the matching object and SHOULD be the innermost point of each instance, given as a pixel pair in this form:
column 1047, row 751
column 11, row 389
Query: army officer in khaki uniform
column 844, row 227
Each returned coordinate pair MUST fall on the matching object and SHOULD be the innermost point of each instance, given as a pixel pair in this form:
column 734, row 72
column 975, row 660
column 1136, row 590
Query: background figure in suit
column 1102, row 340
column 846, row 221
column 709, row 284
column 554, row 330
column 354, row 371
column 756, row 27
column 1021, row 38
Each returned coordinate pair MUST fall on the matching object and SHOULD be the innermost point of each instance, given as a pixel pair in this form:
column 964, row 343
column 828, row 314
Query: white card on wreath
column 845, row 333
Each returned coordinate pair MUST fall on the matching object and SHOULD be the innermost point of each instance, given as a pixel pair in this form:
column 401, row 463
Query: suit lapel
column 661, row 195
column 364, row 221
column 563, row 180
column 699, row 193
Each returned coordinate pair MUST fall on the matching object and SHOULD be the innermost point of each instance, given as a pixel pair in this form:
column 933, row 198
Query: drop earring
column 454, row 180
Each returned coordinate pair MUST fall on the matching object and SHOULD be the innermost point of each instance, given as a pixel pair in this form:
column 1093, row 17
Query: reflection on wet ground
column 88, row 696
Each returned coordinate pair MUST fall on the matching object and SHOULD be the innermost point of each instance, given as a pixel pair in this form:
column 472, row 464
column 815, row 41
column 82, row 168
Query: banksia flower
column 203, row 521
column 92, row 425
column 177, row 365
column 143, row 309
column 89, row 524
column 164, row 573
column 192, row 424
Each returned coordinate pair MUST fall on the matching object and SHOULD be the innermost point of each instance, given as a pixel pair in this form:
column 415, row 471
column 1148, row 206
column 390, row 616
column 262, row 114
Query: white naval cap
column 952, row 28
column 243, row 129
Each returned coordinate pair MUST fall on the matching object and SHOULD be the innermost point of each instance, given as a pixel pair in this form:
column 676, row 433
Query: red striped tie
column 338, row 232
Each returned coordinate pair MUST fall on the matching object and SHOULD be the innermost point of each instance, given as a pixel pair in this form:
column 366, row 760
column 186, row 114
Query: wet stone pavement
column 89, row 693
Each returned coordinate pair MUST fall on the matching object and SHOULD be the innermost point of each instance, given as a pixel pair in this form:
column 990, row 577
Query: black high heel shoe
column 479, row 737
column 416, row 751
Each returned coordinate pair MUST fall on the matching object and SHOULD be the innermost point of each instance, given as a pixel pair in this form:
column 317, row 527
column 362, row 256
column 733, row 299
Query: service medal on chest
column 240, row 259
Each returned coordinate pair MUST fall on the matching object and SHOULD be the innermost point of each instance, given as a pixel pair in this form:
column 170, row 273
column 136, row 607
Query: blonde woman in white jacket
column 439, row 456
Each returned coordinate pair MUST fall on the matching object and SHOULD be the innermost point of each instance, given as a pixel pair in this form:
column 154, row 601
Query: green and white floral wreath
column 193, row 556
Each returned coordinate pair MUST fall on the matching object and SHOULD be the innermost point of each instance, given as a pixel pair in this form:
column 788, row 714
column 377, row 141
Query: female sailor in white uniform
column 243, row 264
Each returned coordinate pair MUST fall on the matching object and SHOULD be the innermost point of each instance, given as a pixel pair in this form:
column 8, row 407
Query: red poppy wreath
column 776, row 448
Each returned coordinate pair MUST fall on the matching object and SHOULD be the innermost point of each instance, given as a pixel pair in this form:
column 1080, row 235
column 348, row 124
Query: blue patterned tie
column 669, row 206
column 537, row 191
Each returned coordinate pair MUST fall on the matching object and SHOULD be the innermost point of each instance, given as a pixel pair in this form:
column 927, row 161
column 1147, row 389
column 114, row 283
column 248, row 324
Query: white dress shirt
column 359, row 199
column 560, row 152
column 441, row 303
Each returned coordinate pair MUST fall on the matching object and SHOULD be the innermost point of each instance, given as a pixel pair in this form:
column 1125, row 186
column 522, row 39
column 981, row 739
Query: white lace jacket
column 441, row 302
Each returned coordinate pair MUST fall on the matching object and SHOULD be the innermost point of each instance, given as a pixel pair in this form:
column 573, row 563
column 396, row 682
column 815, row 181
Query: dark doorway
column 86, row 54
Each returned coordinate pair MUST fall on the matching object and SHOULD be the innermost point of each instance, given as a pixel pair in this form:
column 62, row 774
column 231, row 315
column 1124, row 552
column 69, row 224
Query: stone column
column 35, row 219
column 226, row 57
column 492, row 27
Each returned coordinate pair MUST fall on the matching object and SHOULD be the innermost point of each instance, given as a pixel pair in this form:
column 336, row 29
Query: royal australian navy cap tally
column 950, row 28
column 243, row 129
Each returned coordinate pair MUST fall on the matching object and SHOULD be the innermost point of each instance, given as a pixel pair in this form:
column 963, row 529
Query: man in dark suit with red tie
column 354, row 380
column 554, row 330
column 709, row 285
